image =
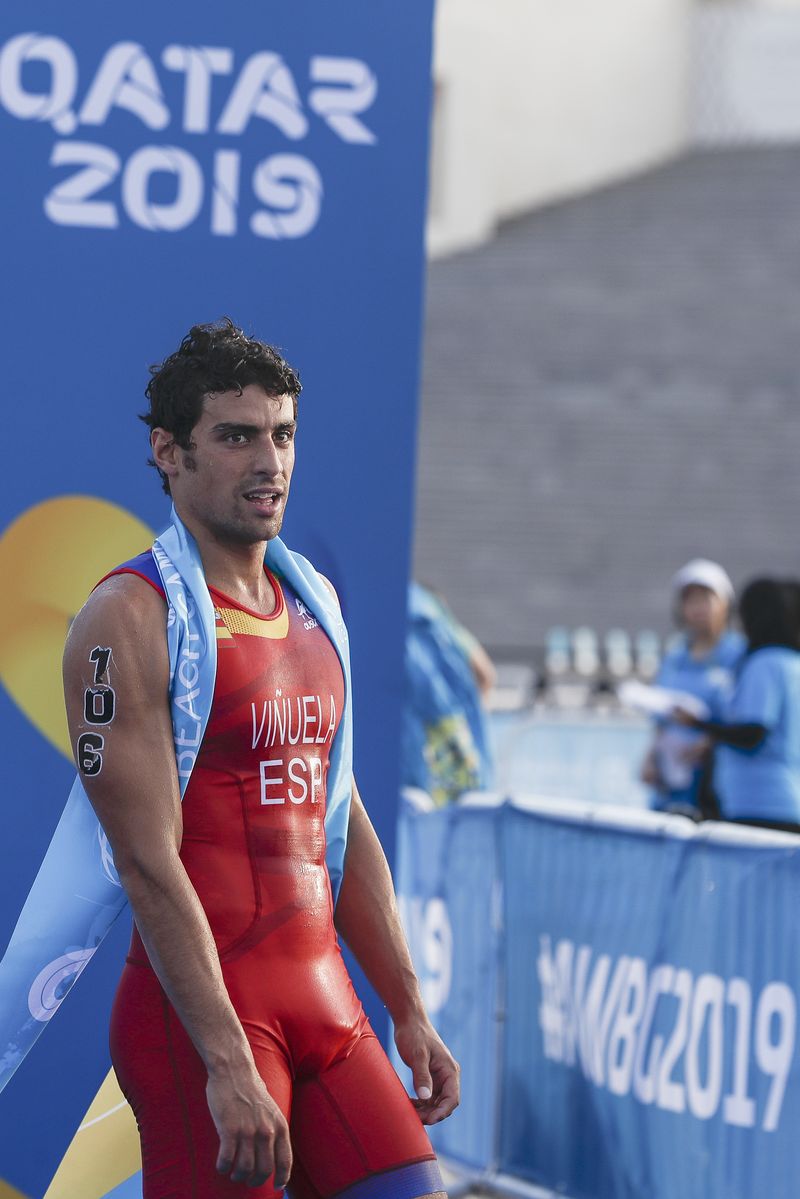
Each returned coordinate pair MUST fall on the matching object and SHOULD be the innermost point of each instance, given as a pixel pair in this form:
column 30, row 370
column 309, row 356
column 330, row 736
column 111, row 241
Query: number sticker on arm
column 99, row 706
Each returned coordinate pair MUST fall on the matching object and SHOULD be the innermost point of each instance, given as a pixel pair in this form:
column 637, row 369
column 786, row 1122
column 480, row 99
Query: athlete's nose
column 268, row 461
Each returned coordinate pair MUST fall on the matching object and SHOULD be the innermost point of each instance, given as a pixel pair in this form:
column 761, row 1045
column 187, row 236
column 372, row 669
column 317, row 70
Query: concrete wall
column 539, row 99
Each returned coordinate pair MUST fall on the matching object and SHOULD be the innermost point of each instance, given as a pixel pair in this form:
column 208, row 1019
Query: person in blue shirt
column 445, row 745
column 757, row 762
column 703, row 664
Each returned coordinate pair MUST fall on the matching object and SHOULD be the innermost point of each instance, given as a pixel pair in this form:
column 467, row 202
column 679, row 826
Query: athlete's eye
column 236, row 438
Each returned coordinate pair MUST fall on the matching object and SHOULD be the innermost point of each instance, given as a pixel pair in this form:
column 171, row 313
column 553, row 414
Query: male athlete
column 236, row 1035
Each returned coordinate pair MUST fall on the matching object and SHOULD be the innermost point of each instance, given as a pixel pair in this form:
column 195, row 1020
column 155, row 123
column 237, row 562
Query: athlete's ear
column 166, row 452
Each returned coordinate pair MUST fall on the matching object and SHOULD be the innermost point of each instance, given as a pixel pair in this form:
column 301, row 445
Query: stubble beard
column 226, row 527
column 229, row 528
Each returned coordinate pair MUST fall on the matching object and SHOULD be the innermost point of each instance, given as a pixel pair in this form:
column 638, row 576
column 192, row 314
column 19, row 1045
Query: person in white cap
column 757, row 760
column 703, row 664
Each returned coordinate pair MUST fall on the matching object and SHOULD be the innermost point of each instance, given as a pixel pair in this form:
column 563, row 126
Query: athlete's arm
column 116, row 677
column 368, row 920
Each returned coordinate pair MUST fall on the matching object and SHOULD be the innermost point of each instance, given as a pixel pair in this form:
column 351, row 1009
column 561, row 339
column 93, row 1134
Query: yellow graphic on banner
column 50, row 558
column 104, row 1151
column 9, row 1192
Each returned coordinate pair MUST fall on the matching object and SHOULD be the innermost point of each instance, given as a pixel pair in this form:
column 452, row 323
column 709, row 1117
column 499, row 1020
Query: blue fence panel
column 563, row 886
column 447, row 883
column 649, row 972
column 651, row 1004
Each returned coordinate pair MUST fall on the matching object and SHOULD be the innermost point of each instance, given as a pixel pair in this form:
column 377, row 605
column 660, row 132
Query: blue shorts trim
column 404, row 1182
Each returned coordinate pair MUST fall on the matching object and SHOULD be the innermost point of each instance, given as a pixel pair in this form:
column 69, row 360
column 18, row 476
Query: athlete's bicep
column 116, row 678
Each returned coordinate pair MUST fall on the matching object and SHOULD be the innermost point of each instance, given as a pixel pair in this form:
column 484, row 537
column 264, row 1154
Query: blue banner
column 649, row 981
column 447, row 882
column 167, row 165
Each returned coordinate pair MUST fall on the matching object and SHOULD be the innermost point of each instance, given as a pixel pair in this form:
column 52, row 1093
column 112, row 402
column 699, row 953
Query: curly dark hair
column 211, row 358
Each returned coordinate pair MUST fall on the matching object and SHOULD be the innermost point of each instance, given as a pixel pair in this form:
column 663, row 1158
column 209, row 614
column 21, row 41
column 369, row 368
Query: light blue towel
column 77, row 895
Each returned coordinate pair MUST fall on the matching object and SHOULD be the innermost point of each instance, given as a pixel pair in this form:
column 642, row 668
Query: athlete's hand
column 253, row 1134
column 434, row 1070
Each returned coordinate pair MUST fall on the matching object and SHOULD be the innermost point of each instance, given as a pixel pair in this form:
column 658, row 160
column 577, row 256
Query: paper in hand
column 660, row 701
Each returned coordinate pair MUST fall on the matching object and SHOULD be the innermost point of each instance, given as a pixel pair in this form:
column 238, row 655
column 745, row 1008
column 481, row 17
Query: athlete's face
column 234, row 480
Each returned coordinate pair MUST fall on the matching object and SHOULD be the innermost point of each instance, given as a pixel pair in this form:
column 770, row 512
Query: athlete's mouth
column 264, row 497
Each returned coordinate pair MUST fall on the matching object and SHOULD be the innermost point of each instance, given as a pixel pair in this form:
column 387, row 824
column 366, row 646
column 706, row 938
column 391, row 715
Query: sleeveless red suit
column 254, row 849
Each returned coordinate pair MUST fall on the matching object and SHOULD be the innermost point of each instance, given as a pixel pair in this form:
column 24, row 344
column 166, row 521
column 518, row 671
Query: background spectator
column 445, row 736
column 703, row 665
column 757, row 764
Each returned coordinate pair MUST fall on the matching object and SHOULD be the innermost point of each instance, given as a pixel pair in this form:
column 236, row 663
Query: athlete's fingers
column 420, row 1072
column 446, row 1086
column 227, row 1153
column 263, row 1160
column 282, row 1154
column 245, row 1160
column 448, row 1094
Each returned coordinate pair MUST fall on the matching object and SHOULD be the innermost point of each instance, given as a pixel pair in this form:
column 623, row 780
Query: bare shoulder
column 127, row 616
column 116, row 693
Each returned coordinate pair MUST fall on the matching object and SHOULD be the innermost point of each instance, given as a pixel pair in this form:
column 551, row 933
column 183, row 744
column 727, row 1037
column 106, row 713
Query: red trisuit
column 254, row 849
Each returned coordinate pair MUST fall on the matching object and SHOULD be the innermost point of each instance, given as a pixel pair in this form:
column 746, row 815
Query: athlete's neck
column 236, row 569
